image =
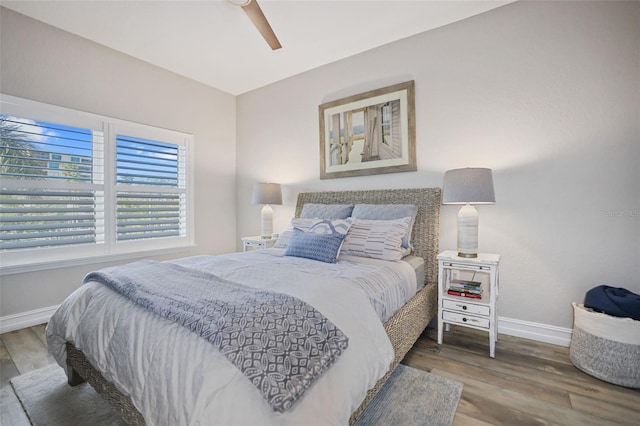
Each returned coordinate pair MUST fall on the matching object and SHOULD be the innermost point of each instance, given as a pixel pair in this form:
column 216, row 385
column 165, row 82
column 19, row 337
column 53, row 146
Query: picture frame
column 376, row 133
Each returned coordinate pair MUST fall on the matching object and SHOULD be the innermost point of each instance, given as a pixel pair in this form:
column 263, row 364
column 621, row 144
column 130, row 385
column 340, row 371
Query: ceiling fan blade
column 254, row 13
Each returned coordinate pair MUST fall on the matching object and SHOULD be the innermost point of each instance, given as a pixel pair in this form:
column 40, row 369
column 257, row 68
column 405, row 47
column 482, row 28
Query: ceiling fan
column 253, row 11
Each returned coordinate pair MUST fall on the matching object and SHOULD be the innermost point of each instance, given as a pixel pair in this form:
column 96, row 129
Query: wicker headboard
column 426, row 230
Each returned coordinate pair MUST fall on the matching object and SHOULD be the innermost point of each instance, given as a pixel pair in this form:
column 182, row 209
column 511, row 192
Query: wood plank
column 468, row 340
column 27, row 351
column 484, row 408
column 463, row 420
column 8, row 369
column 492, row 404
column 39, row 330
column 606, row 410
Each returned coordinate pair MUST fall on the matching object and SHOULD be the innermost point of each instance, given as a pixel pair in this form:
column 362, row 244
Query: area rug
column 413, row 397
column 410, row 397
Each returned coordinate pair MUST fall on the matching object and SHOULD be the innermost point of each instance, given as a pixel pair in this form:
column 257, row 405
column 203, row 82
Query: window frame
column 29, row 260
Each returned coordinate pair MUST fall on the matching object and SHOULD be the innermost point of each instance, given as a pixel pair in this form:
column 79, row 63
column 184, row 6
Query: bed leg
column 73, row 378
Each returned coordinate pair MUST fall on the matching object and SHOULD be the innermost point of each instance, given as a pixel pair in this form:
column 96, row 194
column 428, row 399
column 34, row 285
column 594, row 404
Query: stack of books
column 464, row 288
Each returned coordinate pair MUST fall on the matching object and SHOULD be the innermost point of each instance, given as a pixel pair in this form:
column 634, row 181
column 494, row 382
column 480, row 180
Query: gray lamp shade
column 468, row 185
column 267, row 193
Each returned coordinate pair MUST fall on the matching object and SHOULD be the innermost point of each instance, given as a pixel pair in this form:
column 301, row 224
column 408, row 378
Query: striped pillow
column 377, row 239
column 388, row 212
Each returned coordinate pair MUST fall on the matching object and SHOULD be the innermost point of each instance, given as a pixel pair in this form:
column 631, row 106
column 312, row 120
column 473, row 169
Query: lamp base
column 266, row 219
column 468, row 231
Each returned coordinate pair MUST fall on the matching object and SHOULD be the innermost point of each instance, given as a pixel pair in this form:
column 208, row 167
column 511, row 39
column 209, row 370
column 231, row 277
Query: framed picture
column 369, row 133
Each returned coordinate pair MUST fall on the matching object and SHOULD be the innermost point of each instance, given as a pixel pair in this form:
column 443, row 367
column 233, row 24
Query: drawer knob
column 464, row 319
column 464, row 307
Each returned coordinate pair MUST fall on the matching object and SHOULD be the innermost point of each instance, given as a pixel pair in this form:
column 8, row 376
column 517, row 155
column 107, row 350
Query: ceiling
column 215, row 43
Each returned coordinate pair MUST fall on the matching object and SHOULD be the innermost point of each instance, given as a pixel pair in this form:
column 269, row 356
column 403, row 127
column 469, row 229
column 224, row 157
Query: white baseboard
column 26, row 319
column 535, row 331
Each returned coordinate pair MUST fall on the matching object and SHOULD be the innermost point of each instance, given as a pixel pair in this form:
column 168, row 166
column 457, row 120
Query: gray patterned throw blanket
column 280, row 343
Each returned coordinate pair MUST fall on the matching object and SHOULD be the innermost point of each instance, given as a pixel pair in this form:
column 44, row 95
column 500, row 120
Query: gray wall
column 42, row 63
column 547, row 94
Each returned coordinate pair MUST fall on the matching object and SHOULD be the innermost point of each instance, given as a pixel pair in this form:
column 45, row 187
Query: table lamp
column 267, row 194
column 468, row 186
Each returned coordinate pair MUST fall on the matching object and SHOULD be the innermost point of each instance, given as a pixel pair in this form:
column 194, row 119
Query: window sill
column 66, row 263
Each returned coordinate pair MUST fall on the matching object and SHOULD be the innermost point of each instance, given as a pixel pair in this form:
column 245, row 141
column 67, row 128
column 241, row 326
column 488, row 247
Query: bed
column 402, row 328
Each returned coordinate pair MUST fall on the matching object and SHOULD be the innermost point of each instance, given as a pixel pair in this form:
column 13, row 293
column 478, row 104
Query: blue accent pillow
column 321, row 247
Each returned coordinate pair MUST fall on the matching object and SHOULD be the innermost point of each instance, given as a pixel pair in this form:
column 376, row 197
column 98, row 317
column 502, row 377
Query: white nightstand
column 257, row 243
column 478, row 313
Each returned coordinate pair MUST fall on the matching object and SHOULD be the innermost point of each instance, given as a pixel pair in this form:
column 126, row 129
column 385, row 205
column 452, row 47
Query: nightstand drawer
column 466, row 307
column 464, row 319
column 257, row 243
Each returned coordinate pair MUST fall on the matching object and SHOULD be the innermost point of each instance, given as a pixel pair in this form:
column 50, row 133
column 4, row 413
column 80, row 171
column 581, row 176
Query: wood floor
column 528, row 383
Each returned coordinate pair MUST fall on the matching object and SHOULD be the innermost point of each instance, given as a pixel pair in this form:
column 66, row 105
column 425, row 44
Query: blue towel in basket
column 615, row 301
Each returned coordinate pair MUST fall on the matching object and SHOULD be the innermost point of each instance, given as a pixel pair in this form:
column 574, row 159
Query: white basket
column 606, row 347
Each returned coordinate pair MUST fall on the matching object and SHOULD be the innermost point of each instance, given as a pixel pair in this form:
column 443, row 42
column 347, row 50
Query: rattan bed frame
column 403, row 328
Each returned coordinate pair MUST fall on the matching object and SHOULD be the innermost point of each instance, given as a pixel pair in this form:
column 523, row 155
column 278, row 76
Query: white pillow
column 315, row 226
column 285, row 236
column 330, row 227
column 377, row 239
column 388, row 212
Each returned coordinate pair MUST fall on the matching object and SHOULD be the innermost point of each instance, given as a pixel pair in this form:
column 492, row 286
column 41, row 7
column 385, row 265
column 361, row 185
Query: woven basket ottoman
column 606, row 347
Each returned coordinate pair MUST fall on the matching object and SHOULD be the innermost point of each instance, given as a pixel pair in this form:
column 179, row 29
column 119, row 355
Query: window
column 77, row 186
column 151, row 189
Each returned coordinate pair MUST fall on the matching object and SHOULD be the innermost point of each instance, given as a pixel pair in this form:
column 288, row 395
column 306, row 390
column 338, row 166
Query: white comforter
column 174, row 377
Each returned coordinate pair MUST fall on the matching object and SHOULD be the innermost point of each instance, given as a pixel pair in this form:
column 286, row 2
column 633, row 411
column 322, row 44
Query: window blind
column 51, row 192
column 41, row 218
column 76, row 186
column 141, row 165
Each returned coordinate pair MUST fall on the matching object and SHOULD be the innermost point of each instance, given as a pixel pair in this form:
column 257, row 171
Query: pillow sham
column 317, row 226
column 330, row 227
column 388, row 212
column 377, row 239
column 321, row 247
column 326, row 211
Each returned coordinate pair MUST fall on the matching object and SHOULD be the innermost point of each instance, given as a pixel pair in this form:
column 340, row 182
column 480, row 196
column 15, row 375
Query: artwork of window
column 370, row 133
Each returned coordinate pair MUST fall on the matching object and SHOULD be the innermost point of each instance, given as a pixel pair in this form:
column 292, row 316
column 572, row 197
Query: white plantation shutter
column 49, row 218
column 79, row 186
column 52, row 189
column 151, row 193
column 147, row 215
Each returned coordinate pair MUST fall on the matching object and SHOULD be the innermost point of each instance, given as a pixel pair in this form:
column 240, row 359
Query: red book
column 457, row 293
